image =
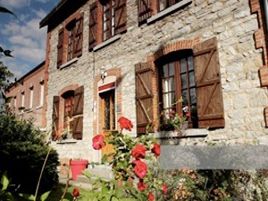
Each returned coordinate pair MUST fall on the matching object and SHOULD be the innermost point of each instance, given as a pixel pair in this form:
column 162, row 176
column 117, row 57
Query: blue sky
column 23, row 36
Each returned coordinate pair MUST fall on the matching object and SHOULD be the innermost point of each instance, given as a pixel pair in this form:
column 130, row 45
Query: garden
column 29, row 171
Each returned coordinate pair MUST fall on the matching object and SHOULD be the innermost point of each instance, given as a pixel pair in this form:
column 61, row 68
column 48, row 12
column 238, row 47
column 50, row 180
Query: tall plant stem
column 41, row 174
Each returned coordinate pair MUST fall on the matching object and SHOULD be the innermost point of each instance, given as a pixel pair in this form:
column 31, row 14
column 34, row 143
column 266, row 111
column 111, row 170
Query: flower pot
column 77, row 167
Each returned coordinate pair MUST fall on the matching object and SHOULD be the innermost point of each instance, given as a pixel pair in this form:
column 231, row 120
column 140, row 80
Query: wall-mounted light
column 103, row 73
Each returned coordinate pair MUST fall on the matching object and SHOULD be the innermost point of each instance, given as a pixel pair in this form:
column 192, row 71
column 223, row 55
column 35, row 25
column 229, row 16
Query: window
column 42, row 93
column 108, row 110
column 31, row 97
column 177, row 80
column 163, row 4
column 69, row 119
column 148, row 8
column 70, row 40
column 22, row 99
column 192, row 74
column 110, row 17
column 68, row 110
column 108, row 20
column 15, row 103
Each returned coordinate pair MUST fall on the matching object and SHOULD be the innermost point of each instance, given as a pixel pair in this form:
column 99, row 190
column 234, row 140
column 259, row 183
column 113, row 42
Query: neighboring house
column 28, row 96
column 108, row 58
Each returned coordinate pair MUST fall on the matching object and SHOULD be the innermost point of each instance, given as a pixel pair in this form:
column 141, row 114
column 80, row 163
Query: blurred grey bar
column 242, row 157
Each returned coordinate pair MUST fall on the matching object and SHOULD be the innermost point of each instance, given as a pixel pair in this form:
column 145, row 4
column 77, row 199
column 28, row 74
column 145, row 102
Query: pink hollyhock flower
column 140, row 169
column 98, row 142
column 138, row 151
column 151, row 196
column 125, row 123
column 141, row 185
column 156, row 150
column 164, row 188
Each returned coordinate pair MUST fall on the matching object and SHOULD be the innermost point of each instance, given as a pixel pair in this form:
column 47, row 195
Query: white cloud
column 26, row 41
column 15, row 3
column 43, row 1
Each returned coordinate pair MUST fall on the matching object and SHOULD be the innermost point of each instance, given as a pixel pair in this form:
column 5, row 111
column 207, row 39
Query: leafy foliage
column 4, row 75
column 22, row 153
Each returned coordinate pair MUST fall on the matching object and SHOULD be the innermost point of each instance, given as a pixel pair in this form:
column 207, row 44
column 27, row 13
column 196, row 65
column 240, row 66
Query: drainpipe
column 265, row 3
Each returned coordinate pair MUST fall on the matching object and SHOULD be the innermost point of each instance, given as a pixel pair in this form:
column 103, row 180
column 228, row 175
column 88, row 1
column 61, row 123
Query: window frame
column 175, row 59
column 110, row 94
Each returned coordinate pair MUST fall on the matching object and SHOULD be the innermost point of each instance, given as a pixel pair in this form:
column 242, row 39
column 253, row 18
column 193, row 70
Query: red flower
column 125, row 123
column 76, row 192
column 138, row 151
column 151, row 196
column 98, row 142
column 140, row 169
column 164, row 188
column 141, row 186
column 156, row 149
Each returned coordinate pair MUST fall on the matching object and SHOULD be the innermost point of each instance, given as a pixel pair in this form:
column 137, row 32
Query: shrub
column 22, row 154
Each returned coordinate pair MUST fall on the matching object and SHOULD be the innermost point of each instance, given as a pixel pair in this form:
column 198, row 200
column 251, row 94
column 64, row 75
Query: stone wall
column 230, row 21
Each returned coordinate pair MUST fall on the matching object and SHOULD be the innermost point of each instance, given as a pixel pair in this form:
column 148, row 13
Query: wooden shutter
column 120, row 16
column 78, row 45
column 209, row 91
column 55, row 117
column 60, row 47
column 144, row 96
column 144, row 10
column 93, row 25
column 78, row 113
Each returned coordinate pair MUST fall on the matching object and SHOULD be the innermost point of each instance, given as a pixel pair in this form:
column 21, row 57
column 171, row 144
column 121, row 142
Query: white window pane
column 192, row 79
column 171, row 69
column 183, row 65
column 165, row 70
column 184, row 81
column 171, row 84
column 190, row 63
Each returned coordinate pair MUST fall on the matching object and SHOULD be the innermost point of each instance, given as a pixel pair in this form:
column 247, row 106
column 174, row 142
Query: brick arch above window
column 174, row 47
column 71, row 87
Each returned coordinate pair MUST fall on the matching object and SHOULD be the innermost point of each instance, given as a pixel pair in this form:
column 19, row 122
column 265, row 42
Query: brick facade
column 35, row 109
column 232, row 22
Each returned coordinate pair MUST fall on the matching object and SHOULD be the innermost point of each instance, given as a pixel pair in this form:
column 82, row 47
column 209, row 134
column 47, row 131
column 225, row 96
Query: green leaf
column 45, row 195
column 4, row 182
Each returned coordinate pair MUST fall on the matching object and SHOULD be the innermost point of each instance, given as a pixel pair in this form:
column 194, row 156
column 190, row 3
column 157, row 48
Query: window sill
column 68, row 141
column 69, row 63
column 107, row 42
column 168, row 11
column 39, row 107
column 188, row 133
column 28, row 110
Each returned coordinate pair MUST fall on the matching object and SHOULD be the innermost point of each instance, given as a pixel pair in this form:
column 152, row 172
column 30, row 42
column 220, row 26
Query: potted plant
column 77, row 166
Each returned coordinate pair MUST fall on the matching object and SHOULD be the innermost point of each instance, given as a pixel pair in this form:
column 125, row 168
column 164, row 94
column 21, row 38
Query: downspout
column 265, row 4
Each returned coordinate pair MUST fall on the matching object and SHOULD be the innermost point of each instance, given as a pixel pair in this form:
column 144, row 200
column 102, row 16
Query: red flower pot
column 77, row 166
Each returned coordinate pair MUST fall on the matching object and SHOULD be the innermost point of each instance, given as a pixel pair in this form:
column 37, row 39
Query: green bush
column 22, row 154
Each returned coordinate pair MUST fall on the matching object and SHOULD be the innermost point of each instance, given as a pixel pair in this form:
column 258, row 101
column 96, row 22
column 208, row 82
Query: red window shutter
column 209, row 91
column 78, row 45
column 60, row 47
column 55, row 117
column 78, row 113
column 93, row 25
column 120, row 16
column 144, row 96
column 144, row 10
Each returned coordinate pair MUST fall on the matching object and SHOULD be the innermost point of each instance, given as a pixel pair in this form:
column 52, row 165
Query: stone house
column 28, row 96
column 108, row 58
